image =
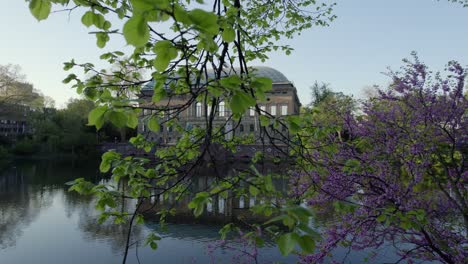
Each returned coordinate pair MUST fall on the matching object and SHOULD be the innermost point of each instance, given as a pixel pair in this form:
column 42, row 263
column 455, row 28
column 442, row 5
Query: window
column 208, row 110
column 198, row 110
column 252, row 111
column 263, row 109
column 252, row 128
column 284, row 110
column 221, row 109
column 273, row 110
column 241, row 128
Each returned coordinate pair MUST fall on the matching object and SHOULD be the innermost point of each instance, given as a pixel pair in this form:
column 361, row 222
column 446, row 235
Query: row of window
column 2, row 121
column 13, row 130
column 222, row 110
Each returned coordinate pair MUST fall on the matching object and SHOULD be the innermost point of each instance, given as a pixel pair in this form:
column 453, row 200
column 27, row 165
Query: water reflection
column 222, row 209
column 19, row 206
column 41, row 222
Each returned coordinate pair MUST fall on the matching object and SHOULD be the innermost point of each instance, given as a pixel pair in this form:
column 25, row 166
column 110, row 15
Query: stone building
column 282, row 100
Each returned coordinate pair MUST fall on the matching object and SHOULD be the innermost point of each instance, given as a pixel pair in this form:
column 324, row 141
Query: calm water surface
column 41, row 222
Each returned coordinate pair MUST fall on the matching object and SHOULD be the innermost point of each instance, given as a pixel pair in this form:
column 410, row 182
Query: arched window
column 221, row 108
column 198, row 109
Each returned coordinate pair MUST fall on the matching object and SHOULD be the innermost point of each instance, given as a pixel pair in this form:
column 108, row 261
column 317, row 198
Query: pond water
column 41, row 222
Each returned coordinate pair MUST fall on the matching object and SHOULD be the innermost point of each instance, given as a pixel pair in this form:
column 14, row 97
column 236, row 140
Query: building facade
column 13, row 121
column 281, row 101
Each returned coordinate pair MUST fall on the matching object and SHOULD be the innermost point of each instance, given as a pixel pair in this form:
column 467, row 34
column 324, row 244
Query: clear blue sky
column 367, row 37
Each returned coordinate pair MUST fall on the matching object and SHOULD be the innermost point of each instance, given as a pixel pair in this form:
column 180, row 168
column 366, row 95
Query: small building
column 282, row 100
column 13, row 123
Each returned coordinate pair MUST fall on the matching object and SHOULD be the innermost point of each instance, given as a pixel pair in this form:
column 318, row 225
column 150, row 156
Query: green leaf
column 262, row 84
column 240, row 102
column 132, row 121
column 232, row 82
column 151, row 240
column 159, row 93
column 198, row 210
column 153, row 245
column 204, row 21
column 286, row 244
column 87, row 18
column 198, row 203
column 264, row 121
column 181, row 15
column 99, row 20
column 269, row 183
column 165, row 52
column 101, row 39
column 153, row 124
column 420, row 215
column 140, row 219
column 225, row 230
column 40, row 9
column 276, row 219
column 104, row 167
column 96, row 116
column 107, row 159
column 106, row 25
column 381, row 218
column 289, row 222
column 229, row 35
column 102, row 218
column 119, row 119
column 294, row 124
column 307, row 244
column 136, row 31
column 254, row 191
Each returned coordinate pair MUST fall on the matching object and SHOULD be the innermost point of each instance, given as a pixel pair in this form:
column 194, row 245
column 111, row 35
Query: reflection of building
column 13, row 120
column 282, row 100
column 221, row 209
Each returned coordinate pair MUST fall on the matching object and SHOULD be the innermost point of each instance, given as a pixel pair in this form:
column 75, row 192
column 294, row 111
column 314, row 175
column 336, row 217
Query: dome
column 275, row 75
column 259, row 71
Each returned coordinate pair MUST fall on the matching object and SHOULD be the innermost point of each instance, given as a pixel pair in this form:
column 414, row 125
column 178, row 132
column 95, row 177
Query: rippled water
column 41, row 222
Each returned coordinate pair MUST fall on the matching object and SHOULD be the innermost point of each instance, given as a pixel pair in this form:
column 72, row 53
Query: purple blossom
column 405, row 171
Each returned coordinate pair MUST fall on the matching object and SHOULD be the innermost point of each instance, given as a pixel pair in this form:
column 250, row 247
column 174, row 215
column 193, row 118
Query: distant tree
column 80, row 108
column 370, row 91
column 319, row 92
column 462, row 2
column 328, row 108
column 13, row 87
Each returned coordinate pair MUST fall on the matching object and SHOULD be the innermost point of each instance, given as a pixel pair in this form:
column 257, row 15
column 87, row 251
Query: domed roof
column 259, row 71
column 275, row 75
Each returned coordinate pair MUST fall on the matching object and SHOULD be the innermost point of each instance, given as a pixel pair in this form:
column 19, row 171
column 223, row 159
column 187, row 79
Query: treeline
column 65, row 131
column 31, row 125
